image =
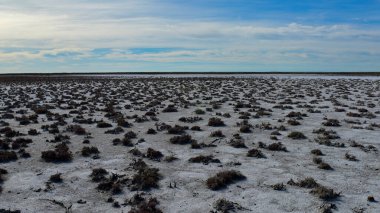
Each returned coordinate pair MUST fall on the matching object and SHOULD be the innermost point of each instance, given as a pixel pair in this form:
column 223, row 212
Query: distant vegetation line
column 198, row 73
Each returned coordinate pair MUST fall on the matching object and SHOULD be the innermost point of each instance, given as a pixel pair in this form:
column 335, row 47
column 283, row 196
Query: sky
column 46, row 36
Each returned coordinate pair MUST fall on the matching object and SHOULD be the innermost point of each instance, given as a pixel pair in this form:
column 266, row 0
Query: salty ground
column 294, row 144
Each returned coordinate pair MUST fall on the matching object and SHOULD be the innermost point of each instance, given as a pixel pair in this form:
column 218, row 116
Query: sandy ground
column 25, row 186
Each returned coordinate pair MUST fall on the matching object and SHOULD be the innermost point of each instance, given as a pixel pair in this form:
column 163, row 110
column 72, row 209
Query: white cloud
column 51, row 28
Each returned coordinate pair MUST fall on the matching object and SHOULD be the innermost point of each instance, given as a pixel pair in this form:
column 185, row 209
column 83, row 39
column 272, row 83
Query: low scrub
column 223, row 179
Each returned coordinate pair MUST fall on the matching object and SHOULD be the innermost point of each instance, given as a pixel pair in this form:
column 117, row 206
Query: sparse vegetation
column 223, row 179
column 61, row 153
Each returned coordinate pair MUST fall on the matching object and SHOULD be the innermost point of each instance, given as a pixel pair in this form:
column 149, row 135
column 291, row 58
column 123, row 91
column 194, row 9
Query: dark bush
column 115, row 131
column 331, row 122
column 305, row 183
column 177, row 130
column 316, row 152
column 61, row 153
column 293, row 122
column 87, row 151
column 223, row 179
column 103, row 124
column 278, row 187
column 145, row 179
column 130, row 135
column 226, row 206
column 199, row 112
column 56, row 178
column 215, row 122
column 217, row 133
column 255, row 153
column 296, row 135
column 196, row 128
column 324, row 166
column 245, row 129
column 170, row 108
column 277, row 147
column 324, row 193
column 98, row 174
column 154, row 154
column 33, row 132
column 151, row 131
column 204, row 159
column 182, row 139
column 146, row 207
column 6, row 156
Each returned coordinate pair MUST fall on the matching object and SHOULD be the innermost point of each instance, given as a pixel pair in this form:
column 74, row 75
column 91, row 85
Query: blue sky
column 197, row 35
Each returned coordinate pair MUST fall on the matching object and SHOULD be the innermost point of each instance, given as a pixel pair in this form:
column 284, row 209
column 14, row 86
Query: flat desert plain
column 202, row 144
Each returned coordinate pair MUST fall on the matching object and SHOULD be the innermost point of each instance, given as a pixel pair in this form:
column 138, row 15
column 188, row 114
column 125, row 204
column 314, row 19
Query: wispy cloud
column 45, row 32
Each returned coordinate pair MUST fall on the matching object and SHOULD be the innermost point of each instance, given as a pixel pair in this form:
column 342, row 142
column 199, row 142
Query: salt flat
column 291, row 143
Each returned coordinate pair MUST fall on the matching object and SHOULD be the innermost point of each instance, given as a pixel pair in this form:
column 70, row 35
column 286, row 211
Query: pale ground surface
column 354, row 179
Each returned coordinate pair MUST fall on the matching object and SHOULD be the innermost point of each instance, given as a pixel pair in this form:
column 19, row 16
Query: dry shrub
column 146, row 207
column 324, row 193
column 87, row 151
column 6, row 156
column 305, row 183
column 223, row 179
column 204, row 159
column 226, row 206
column 151, row 131
column 182, row 139
column 245, row 129
column 297, row 135
column 279, row 187
column 277, row 147
column 154, row 154
column 324, row 166
column 217, row 133
column 331, row 122
column 255, row 153
column 196, row 128
column 61, row 153
column 316, row 152
column 98, row 174
column 215, row 122
column 145, row 179
column 177, row 130
column 103, row 124
column 56, row 178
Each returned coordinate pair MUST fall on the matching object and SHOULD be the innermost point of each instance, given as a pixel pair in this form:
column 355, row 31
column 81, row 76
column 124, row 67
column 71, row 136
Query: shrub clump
column 226, row 206
column 154, row 154
column 199, row 111
column 205, row 159
column 61, row 153
column 103, row 124
column 217, row 133
column 98, row 174
column 182, row 139
column 245, row 129
column 215, row 122
column 331, row 122
column 296, row 135
column 145, row 179
column 146, row 207
column 88, row 151
column 223, row 179
column 6, row 156
column 56, row 178
column 255, row 153
column 316, row 152
column 324, row 193
column 177, row 130
column 305, row 183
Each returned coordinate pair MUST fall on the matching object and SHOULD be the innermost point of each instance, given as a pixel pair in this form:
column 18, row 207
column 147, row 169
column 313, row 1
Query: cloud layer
column 44, row 36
